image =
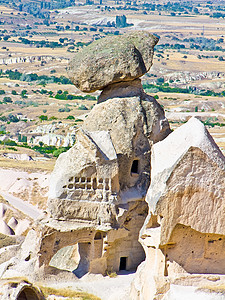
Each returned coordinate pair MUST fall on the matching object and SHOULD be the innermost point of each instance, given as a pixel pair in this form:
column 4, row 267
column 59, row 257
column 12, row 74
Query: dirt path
column 21, row 205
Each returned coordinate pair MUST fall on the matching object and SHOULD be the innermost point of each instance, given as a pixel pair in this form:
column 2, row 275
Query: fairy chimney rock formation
column 190, row 178
column 109, row 165
column 97, row 188
column 185, row 229
column 101, row 182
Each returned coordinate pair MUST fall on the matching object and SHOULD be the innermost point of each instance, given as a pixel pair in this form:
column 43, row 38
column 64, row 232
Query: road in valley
column 21, row 205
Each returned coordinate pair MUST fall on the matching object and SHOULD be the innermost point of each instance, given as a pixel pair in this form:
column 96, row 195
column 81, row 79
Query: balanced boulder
column 111, row 60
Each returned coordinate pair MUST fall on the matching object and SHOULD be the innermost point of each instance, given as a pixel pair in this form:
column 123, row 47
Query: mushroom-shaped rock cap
column 112, row 59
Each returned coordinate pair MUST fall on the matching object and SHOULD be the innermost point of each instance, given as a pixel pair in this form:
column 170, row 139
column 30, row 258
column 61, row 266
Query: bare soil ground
column 117, row 288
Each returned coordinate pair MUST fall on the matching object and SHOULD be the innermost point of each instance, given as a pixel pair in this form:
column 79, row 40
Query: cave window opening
column 98, row 236
column 135, row 167
column 22, row 296
column 94, row 183
column 123, row 263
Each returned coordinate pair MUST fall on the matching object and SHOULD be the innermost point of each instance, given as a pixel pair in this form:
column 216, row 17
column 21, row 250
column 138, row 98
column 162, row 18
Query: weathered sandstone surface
column 185, row 228
column 98, row 169
column 128, row 117
column 189, row 176
column 122, row 89
column 101, row 182
column 111, row 60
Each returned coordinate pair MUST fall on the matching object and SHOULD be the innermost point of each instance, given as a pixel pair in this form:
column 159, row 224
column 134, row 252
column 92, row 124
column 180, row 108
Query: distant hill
column 38, row 8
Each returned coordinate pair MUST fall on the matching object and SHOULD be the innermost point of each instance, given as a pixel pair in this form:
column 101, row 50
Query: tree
column 6, row 37
column 57, row 152
column 22, row 138
column 82, row 107
column 45, row 22
column 70, row 118
column 160, row 80
column 13, row 118
column 23, row 94
column 43, row 118
column 3, row 119
column 7, row 100
column 196, row 11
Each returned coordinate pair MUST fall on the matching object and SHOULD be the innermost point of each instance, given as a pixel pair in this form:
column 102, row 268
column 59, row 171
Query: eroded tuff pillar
column 185, row 230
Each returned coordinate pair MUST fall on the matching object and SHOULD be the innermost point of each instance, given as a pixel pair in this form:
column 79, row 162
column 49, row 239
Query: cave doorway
column 135, row 167
column 98, row 236
column 28, row 293
column 123, row 263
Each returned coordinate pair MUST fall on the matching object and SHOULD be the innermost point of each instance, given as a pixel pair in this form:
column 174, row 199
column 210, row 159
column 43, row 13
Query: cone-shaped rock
column 5, row 229
column 12, row 223
column 185, row 229
column 188, row 181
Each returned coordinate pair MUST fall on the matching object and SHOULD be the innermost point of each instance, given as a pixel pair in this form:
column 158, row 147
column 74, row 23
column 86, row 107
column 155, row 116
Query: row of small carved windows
column 88, row 183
